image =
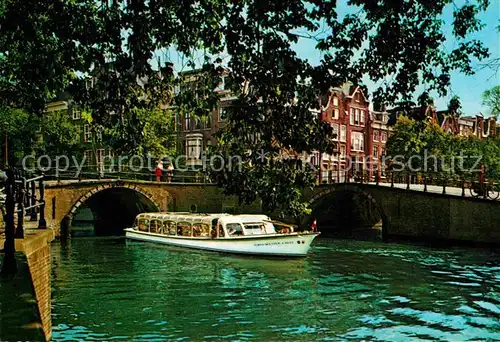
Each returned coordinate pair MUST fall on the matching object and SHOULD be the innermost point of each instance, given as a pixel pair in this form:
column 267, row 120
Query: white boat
column 246, row 234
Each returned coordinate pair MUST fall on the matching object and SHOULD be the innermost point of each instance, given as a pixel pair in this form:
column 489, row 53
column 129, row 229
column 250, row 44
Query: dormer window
column 335, row 101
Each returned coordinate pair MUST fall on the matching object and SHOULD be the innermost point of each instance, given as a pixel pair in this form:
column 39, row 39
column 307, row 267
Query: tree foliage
column 156, row 133
column 59, row 134
column 17, row 129
column 491, row 99
column 422, row 146
column 45, row 46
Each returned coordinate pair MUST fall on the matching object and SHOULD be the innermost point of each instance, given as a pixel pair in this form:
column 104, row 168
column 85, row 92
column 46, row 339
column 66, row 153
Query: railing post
column 20, row 209
column 33, row 214
column 444, row 186
column 425, row 183
column 463, row 187
column 42, row 223
column 408, row 179
column 392, row 179
column 9, row 265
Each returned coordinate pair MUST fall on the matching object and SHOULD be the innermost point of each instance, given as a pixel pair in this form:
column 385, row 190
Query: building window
column 343, row 133
column 356, row 117
column 193, row 149
column 196, row 123
column 86, row 133
column 335, row 101
column 375, row 135
column 336, row 114
column 88, row 157
column 222, row 114
column 176, row 122
column 357, row 141
column 362, row 116
column 335, row 129
column 222, row 84
column 194, row 144
column 77, row 114
column 342, row 151
column 384, row 137
column 207, row 121
column 187, row 121
column 375, row 152
column 351, row 118
column 98, row 133
column 100, row 158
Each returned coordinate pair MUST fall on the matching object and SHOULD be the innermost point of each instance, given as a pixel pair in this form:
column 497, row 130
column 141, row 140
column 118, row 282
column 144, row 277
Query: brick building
column 195, row 135
column 347, row 111
column 381, row 131
column 477, row 126
column 91, row 142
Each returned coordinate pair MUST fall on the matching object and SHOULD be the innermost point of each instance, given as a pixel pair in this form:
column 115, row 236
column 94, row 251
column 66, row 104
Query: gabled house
column 477, row 126
column 348, row 113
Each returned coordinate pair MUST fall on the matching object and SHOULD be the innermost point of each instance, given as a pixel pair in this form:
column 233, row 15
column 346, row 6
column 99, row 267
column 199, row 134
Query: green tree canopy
column 415, row 141
column 491, row 99
column 18, row 131
column 58, row 135
column 46, row 46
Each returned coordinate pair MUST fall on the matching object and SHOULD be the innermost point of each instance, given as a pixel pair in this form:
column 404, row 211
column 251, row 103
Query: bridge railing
column 23, row 196
column 469, row 184
column 94, row 172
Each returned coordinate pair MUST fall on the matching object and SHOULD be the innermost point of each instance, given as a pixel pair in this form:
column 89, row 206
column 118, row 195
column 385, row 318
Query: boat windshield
column 234, row 229
column 255, row 228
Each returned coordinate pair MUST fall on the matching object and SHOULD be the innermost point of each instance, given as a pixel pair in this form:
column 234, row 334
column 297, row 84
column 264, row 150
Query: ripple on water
column 343, row 291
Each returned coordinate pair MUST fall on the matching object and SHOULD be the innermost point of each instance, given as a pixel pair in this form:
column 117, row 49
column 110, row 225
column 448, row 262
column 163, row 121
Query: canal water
column 117, row 290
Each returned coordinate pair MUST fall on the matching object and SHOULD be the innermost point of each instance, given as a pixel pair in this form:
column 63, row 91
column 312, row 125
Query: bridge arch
column 119, row 189
column 322, row 199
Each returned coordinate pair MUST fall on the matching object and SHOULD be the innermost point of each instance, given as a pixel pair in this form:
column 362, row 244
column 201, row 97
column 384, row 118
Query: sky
column 468, row 88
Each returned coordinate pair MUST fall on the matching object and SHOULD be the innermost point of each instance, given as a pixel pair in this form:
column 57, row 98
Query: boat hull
column 293, row 244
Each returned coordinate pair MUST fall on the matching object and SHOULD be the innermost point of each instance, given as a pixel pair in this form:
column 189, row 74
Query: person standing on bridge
column 159, row 171
column 170, row 172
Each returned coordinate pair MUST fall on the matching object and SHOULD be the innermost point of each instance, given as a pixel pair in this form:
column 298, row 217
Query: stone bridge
column 411, row 212
column 403, row 212
column 124, row 199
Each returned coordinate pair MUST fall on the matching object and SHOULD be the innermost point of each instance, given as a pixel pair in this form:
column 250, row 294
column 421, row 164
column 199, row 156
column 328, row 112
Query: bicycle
column 486, row 190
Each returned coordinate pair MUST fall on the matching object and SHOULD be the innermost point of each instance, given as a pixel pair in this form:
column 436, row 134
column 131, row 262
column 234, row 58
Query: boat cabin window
column 221, row 231
column 255, row 228
column 234, row 229
column 143, row 225
column 155, row 226
column 201, row 229
column 170, row 228
column 213, row 231
column 184, row 228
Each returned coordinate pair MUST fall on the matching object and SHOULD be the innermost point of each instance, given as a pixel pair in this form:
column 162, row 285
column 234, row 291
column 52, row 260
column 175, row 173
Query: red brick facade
column 348, row 113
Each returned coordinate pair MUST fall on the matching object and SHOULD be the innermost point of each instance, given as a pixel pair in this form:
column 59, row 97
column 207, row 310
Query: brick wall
column 40, row 265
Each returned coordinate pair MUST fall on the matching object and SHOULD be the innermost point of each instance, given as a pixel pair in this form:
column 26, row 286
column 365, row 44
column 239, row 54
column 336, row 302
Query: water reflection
column 114, row 289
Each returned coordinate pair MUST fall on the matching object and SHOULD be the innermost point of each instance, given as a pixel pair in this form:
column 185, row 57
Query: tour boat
column 245, row 234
